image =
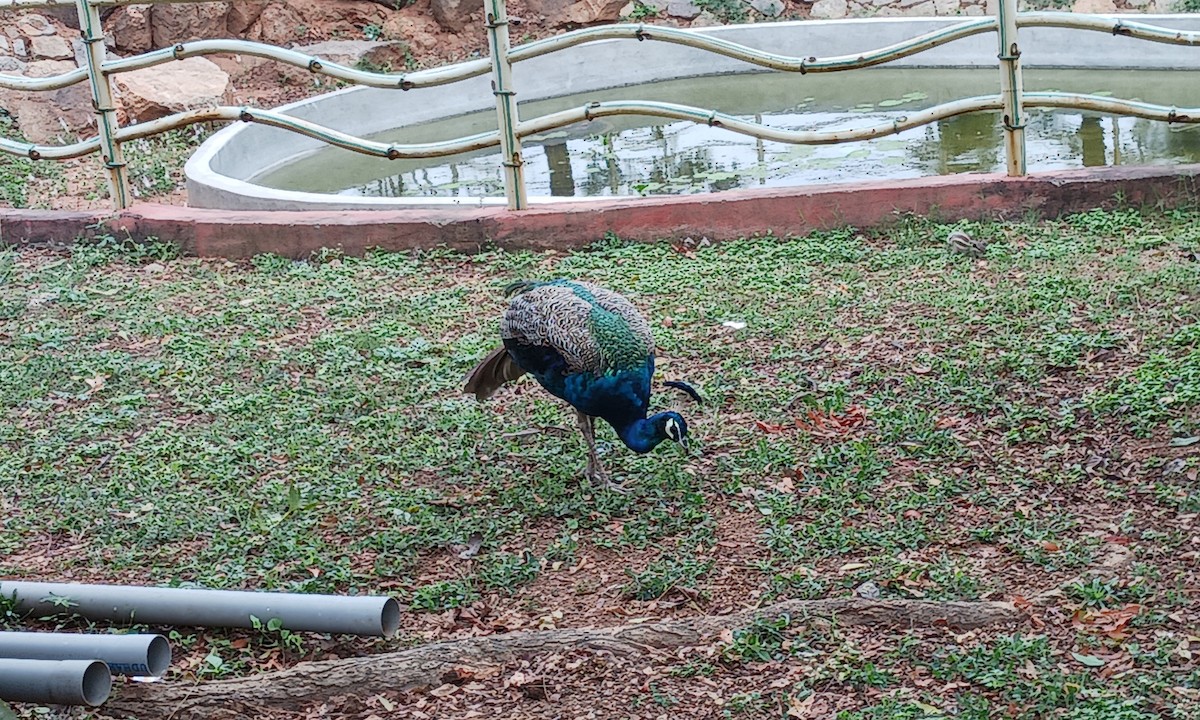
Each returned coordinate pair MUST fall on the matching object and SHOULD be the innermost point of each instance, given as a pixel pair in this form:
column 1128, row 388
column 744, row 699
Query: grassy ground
column 892, row 418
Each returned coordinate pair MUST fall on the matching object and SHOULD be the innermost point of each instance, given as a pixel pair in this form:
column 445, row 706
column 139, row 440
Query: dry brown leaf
column 801, row 708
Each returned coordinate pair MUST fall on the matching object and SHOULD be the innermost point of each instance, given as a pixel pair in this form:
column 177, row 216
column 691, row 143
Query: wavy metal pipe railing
column 463, row 71
column 546, row 123
column 538, row 48
column 528, row 51
column 312, row 63
column 737, row 51
column 1112, row 26
column 1011, row 100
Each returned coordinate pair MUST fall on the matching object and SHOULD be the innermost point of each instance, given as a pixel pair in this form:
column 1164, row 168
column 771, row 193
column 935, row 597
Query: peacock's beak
column 684, row 442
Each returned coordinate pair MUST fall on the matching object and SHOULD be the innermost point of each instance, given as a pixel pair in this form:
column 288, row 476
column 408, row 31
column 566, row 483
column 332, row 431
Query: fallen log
column 427, row 666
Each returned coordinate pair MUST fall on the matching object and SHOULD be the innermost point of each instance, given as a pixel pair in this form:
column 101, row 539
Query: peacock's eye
column 673, row 430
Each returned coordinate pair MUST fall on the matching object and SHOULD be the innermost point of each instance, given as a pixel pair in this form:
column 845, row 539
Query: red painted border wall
column 718, row 216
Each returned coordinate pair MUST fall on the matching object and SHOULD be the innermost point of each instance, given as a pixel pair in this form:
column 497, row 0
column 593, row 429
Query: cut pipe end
column 389, row 621
column 96, row 683
column 158, row 656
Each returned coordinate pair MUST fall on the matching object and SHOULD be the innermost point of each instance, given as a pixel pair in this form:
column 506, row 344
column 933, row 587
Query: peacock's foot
column 616, row 487
column 596, row 475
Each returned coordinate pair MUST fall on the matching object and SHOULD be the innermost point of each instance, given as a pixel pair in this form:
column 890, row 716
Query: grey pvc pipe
column 353, row 615
column 144, row 655
column 55, row 682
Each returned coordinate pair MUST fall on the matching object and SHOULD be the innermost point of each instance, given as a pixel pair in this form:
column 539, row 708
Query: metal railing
column 1012, row 99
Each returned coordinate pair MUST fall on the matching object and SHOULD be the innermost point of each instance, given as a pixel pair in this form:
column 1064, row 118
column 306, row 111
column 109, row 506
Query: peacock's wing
column 591, row 328
column 623, row 335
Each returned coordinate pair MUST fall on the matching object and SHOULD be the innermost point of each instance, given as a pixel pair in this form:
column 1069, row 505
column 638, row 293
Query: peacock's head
column 674, row 427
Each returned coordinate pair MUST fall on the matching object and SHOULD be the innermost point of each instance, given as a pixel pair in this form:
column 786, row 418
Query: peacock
column 590, row 347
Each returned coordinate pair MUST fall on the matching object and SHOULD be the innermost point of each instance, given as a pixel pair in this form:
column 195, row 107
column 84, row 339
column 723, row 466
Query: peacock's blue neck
column 641, row 435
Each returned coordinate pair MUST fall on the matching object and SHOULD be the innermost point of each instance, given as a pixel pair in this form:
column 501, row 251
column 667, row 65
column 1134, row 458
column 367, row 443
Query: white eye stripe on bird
column 673, row 429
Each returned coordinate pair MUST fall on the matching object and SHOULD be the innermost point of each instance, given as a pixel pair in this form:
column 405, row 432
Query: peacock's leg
column 595, row 470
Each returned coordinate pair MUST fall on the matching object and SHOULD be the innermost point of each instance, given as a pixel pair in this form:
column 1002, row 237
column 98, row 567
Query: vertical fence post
column 1011, row 87
column 102, row 101
column 506, row 105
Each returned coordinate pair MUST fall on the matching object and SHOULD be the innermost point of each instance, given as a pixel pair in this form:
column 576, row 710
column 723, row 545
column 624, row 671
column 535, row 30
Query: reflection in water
column 681, row 158
column 1091, row 138
column 558, row 162
column 619, row 156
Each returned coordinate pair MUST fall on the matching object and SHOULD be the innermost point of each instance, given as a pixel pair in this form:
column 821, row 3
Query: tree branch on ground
column 430, row 665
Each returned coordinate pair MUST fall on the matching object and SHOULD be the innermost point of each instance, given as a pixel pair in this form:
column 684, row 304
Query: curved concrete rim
column 732, row 214
column 213, row 183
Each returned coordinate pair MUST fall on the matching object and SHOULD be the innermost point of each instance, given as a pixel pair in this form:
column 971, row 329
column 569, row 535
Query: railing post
column 1011, row 87
column 102, row 101
column 506, row 105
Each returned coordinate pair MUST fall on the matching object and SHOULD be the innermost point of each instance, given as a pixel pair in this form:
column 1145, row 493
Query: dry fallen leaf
column 473, row 544
column 801, row 708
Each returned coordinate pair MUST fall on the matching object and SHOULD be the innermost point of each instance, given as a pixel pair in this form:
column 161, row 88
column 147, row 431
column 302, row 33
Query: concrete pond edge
column 732, row 214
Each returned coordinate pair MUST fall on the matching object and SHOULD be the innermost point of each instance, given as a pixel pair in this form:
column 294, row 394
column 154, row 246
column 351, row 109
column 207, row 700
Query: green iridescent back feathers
column 595, row 329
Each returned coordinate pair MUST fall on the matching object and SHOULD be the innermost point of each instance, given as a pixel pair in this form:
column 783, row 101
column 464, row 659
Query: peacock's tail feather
column 491, row 373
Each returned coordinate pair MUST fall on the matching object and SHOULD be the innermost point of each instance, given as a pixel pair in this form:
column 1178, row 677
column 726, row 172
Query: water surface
column 637, row 155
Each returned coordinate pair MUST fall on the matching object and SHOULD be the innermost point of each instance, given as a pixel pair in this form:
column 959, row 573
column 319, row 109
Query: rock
column 706, row 19
column 34, row 25
column 375, row 54
column 50, row 47
column 1174, row 467
column 921, row 8
column 867, row 591
column 45, row 116
column 685, row 9
column 577, row 12
column 242, row 15
column 170, row 24
column 768, row 8
column 1142, row 4
column 454, row 15
column 11, row 65
column 278, row 24
column 946, row 7
column 5, row 46
column 68, row 15
column 156, row 92
column 20, row 49
column 129, row 27
column 829, row 9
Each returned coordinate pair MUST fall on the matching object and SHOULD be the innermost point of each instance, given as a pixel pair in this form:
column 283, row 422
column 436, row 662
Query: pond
column 637, row 155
